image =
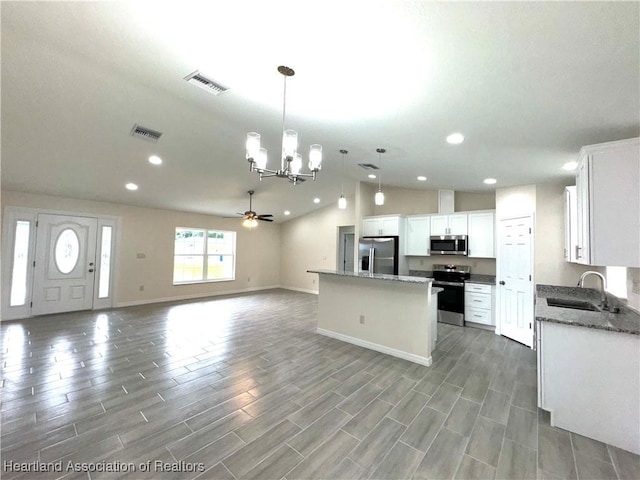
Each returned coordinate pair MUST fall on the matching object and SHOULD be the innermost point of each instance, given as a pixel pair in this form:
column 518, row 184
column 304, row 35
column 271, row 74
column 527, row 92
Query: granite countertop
column 625, row 321
column 375, row 276
column 484, row 279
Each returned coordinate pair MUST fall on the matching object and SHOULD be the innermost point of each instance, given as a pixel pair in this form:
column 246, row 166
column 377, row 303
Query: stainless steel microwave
column 449, row 245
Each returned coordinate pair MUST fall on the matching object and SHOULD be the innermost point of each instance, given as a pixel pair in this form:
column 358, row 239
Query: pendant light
column 379, row 198
column 342, row 202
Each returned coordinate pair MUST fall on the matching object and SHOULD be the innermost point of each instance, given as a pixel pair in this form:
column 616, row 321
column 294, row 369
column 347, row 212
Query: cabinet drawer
column 477, row 300
column 477, row 315
column 477, row 287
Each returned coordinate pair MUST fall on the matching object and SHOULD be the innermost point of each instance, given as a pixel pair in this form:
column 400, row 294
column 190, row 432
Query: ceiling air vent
column 145, row 133
column 198, row 79
column 368, row 166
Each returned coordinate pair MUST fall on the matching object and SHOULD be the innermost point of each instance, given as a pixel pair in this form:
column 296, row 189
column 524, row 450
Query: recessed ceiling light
column 570, row 166
column 287, row 212
column 131, row 186
column 422, row 178
column 455, row 138
column 490, row 181
column 371, row 175
column 316, row 200
column 155, row 160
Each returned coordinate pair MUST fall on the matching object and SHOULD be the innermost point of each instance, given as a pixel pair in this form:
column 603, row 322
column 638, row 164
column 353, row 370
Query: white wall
column 311, row 242
column 151, row 231
column 514, row 201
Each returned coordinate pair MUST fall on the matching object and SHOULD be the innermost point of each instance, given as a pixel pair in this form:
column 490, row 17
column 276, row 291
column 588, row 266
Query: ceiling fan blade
column 265, row 219
column 265, row 216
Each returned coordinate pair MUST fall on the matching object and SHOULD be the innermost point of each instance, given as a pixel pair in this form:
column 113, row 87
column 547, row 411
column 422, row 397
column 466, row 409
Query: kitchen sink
column 575, row 304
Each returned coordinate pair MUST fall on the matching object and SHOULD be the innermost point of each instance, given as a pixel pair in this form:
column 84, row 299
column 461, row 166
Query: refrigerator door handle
column 372, row 259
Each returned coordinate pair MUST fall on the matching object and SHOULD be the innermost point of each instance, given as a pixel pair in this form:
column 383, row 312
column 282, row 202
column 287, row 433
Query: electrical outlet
column 314, row 281
column 141, row 288
column 248, row 279
column 362, row 319
column 421, row 262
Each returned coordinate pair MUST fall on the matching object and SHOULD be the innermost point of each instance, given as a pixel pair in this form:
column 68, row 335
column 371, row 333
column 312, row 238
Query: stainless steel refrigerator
column 381, row 255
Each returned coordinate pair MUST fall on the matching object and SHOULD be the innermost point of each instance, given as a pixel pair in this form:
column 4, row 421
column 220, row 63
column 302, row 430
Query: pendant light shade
column 342, row 202
column 379, row 197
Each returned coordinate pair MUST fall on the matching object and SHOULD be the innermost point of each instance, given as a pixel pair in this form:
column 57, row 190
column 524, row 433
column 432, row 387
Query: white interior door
column 515, row 279
column 64, row 272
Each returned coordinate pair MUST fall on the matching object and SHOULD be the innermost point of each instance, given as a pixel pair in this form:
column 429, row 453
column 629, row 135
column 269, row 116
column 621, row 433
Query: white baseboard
column 193, row 296
column 377, row 347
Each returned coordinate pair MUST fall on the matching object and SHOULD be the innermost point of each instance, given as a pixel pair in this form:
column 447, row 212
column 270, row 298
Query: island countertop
column 625, row 321
column 375, row 276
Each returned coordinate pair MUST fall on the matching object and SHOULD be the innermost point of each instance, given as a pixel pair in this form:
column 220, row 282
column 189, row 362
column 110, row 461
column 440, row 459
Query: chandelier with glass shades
column 291, row 160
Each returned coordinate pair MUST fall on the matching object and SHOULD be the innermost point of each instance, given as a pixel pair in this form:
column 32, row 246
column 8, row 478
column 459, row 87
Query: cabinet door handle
column 501, row 282
column 578, row 252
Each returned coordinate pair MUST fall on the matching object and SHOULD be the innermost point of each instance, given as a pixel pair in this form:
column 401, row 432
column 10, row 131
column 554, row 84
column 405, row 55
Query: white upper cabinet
column 455, row 224
column 417, row 235
column 482, row 235
column 608, row 204
column 382, row 225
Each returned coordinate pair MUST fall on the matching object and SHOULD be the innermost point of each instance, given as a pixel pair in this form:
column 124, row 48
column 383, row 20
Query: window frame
column 205, row 256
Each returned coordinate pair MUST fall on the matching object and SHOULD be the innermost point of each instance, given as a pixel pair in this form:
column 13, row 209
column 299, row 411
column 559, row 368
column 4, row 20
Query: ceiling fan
column 250, row 218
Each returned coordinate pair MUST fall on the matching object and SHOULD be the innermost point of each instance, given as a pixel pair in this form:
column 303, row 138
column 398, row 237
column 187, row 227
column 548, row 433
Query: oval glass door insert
column 67, row 251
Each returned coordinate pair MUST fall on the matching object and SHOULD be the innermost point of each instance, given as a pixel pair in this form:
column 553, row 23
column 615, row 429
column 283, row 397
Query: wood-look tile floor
column 243, row 387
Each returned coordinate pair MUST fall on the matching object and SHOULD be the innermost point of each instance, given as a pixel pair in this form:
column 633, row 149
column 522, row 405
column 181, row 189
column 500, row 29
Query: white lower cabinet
column 478, row 303
column 589, row 381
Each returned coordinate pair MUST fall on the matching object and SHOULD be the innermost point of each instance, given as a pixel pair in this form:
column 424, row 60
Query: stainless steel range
column 451, row 301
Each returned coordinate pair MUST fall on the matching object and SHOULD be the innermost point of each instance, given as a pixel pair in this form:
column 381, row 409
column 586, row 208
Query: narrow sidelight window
column 20, row 267
column 105, row 262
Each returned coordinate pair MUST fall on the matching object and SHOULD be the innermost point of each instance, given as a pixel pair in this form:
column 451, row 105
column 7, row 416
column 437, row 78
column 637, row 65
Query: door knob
column 501, row 282
column 91, row 264
column 91, row 270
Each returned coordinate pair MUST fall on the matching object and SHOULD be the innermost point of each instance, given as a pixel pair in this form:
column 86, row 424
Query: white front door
column 64, row 272
column 515, row 279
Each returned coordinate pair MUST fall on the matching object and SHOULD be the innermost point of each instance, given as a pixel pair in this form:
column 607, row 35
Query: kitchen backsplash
column 484, row 266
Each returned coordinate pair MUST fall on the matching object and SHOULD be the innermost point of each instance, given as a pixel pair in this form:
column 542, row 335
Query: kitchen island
column 589, row 366
column 392, row 314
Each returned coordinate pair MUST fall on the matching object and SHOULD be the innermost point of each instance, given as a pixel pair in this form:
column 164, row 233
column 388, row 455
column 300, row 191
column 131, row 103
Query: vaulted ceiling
column 527, row 83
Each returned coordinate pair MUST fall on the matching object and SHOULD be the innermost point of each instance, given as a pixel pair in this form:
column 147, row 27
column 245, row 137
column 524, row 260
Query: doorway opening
column 346, row 246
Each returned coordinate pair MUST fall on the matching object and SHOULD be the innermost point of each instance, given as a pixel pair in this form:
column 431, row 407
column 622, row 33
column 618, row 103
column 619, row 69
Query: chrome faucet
column 603, row 282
